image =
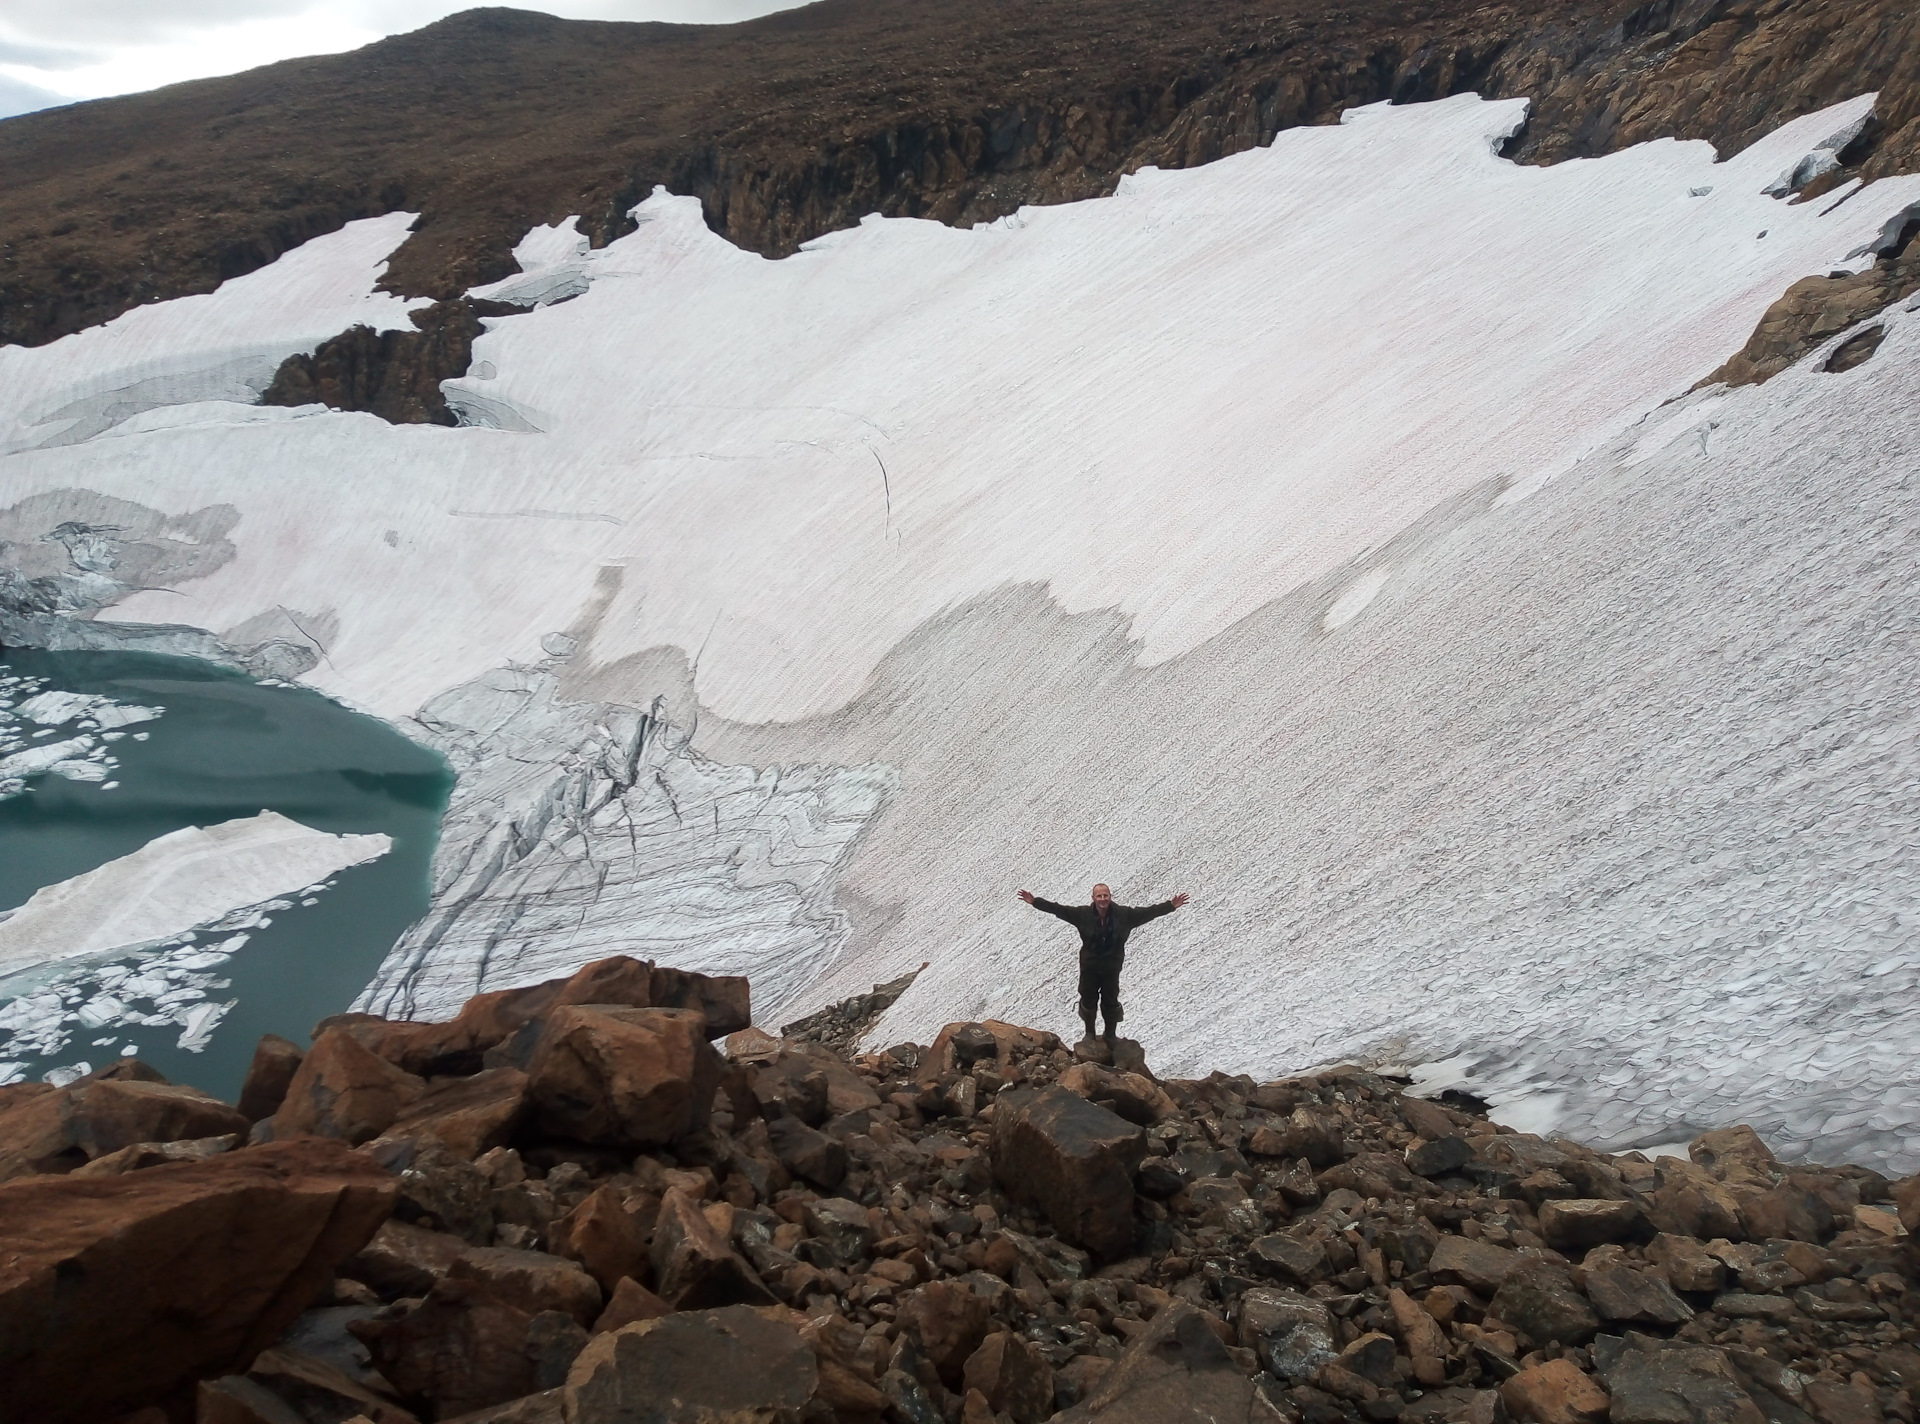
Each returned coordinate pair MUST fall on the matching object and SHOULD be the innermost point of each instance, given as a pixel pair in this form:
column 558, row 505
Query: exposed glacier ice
column 1322, row 531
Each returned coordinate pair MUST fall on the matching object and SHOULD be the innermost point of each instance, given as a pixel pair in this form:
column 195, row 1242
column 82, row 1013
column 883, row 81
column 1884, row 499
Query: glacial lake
column 209, row 745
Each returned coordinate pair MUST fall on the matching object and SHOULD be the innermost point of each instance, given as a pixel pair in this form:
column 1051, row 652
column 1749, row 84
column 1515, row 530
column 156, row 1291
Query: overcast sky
column 57, row 51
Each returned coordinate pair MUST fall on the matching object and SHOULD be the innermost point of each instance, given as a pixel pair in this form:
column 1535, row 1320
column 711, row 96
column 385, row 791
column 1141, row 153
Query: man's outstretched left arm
column 1154, row 912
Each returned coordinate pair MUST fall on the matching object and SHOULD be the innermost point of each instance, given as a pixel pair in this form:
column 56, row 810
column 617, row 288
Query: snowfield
column 1325, row 532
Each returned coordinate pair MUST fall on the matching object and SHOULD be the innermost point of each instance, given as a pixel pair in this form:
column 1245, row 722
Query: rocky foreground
column 567, row 1204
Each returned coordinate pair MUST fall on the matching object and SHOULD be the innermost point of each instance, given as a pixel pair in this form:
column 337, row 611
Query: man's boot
column 1087, row 1019
column 1111, row 1033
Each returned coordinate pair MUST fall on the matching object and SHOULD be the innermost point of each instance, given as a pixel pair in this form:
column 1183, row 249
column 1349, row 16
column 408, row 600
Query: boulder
column 1134, row 1097
column 457, row 1350
column 1289, row 1259
column 1621, row 1292
column 1577, row 1225
column 1440, row 1157
column 693, row 1266
column 950, row 1321
column 1906, row 1201
column 807, row 1152
column 1428, row 1120
column 1316, row 1136
column 1732, row 1152
column 284, row 1385
column 343, row 1090
column 47, row 1129
column 1688, row 1265
column 438, row 1188
column 1291, row 1334
column 158, row 1154
column 1789, row 1211
column 1013, row 1376
column 843, row 1226
column 1664, row 1382
column 468, row 1116
column 403, row 1259
column 1176, row 1371
column 1474, row 1264
column 531, row 1280
column 1695, row 1205
column 724, row 1000
column 275, row 1061
column 629, row 1302
column 1557, row 1392
column 546, row 1407
column 601, row 1235
column 172, row 1274
column 1421, row 1337
column 727, row 1366
column 1369, row 1174
column 1538, row 1298
column 622, row 1077
column 1072, row 1159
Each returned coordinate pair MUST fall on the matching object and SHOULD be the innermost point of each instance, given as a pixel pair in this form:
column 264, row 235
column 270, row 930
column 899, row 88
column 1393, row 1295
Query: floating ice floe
column 176, row 883
column 92, row 720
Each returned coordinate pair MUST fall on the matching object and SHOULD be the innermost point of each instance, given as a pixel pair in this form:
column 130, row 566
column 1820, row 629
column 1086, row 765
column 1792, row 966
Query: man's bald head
column 1102, row 896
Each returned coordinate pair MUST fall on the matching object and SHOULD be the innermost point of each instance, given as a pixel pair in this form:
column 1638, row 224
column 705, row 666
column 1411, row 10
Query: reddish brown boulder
column 732, row 1366
column 468, row 1116
column 460, row 1349
column 950, row 1321
column 285, row 1384
column 403, row 1259
column 344, row 1090
column 601, row 1235
column 623, row 1077
column 275, row 1061
column 157, row 1154
column 618, row 980
column 630, row 1302
column 725, row 999
column 693, row 1266
column 171, row 1274
column 1012, row 1376
column 531, row 1280
column 45, row 1129
column 1556, row 1392
column 1176, row 1371
column 1906, row 1199
column 1573, row 1226
column 1072, row 1159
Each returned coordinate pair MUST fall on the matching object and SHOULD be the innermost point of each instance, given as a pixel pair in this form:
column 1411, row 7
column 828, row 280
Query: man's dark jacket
column 1098, row 941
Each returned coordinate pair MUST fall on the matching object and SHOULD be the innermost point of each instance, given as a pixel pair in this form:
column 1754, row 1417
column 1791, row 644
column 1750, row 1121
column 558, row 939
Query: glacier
column 1329, row 531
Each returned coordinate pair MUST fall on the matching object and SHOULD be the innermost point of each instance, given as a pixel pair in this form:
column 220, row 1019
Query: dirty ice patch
column 65, row 734
column 175, row 883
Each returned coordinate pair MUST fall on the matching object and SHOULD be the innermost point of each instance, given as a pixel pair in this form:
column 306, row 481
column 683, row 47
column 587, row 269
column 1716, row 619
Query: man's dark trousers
column 1100, row 985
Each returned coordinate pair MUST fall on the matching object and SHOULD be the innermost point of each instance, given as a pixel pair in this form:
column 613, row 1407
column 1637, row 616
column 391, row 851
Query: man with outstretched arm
column 1104, row 927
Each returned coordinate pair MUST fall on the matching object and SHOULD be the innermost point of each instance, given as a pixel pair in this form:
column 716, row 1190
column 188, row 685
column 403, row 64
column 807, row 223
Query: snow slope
column 1157, row 539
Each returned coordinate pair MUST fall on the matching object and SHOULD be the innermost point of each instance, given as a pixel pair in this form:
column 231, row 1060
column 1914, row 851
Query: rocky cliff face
column 799, row 123
column 564, row 1204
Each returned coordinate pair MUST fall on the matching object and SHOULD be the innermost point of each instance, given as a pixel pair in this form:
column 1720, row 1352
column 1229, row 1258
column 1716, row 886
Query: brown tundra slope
column 798, row 123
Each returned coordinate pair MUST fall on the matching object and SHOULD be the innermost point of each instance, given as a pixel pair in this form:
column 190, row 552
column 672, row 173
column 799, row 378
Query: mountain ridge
column 801, row 122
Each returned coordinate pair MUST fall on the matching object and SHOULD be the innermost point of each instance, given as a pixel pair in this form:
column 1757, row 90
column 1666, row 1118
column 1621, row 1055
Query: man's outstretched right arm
column 1046, row 905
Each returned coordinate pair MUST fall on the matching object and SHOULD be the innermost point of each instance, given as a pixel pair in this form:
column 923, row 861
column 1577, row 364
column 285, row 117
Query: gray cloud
column 48, row 58
column 19, row 98
column 114, row 24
